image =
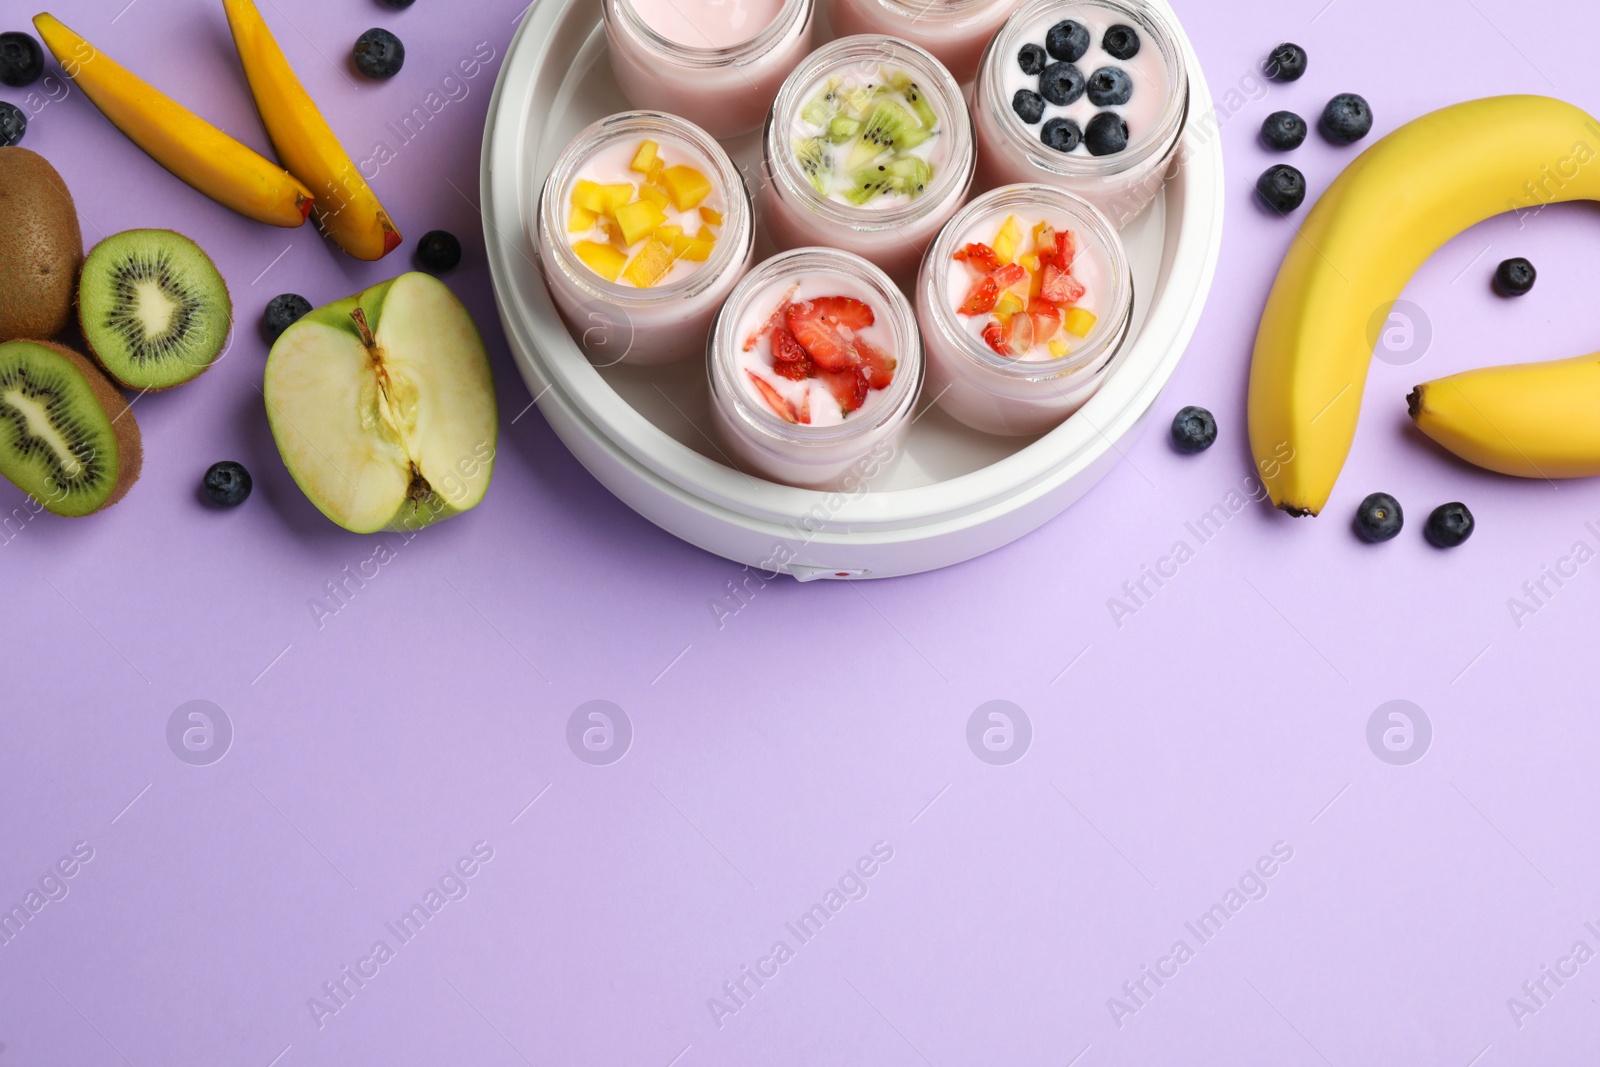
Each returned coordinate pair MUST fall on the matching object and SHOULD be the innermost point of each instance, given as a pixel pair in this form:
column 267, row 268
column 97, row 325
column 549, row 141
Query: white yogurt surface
column 1091, row 267
column 824, row 408
column 1143, row 110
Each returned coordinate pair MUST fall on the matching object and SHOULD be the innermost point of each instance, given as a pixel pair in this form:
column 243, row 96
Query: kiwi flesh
column 41, row 247
column 67, row 437
column 153, row 307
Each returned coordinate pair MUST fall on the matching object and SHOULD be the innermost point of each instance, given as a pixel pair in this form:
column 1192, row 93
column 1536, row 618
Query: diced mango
column 667, row 232
column 1005, row 242
column 705, row 234
column 613, row 232
column 588, row 195
column 686, row 186
column 1009, row 304
column 1079, row 322
column 691, row 248
column 580, row 219
column 638, row 220
column 711, row 215
column 614, row 195
column 644, row 157
column 1058, row 348
column 656, row 168
column 650, row 265
column 602, row 259
column 653, row 195
column 1030, row 262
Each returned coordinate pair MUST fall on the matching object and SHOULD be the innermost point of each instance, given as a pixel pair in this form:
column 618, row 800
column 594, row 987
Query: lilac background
column 1167, row 754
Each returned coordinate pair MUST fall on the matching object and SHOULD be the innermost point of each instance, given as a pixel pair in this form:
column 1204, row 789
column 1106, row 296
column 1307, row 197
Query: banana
column 346, row 209
column 1531, row 420
column 1378, row 222
column 182, row 142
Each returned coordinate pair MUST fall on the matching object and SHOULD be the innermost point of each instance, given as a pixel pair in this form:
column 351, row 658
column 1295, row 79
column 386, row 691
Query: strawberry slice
column 1019, row 335
column 1008, row 275
column 1046, row 320
column 773, row 321
column 785, row 349
column 849, row 388
column 795, row 372
column 1059, row 287
column 979, row 255
column 775, row 400
column 994, row 335
column 805, row 408
column 877, row 366
column 1066, row 249
column 982, row 298
column 819, row 325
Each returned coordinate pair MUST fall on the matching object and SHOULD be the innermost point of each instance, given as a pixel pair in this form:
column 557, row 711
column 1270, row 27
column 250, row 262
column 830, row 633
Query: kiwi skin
column 130, row 448
column 41, row 247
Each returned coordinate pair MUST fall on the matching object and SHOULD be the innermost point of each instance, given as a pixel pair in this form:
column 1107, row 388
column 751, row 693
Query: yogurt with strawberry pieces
column 818, row 353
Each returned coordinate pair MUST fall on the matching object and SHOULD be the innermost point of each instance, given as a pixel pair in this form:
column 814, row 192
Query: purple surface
column 1167, row 755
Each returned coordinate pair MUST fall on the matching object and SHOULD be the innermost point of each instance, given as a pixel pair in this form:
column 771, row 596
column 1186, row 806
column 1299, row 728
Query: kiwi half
column 67, row 437
column 154, row 309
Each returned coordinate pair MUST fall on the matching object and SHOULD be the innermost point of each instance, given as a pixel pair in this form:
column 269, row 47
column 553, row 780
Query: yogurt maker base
column 645, row 433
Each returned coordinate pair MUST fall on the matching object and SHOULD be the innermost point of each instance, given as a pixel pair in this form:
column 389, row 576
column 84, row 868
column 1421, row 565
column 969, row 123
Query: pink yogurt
column 717, row 63
column 954, row 31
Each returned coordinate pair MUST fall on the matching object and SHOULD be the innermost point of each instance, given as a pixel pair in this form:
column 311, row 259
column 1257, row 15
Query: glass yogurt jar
column 717, row 63
column 815, row 364
column 953, row 31
column 869, row 149
column 1091, row 97
column 1024, row 300
column 645, row 226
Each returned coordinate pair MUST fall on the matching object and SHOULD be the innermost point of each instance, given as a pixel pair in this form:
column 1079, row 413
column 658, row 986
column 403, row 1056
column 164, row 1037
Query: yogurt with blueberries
column 1086, row 82
column 1089, row 96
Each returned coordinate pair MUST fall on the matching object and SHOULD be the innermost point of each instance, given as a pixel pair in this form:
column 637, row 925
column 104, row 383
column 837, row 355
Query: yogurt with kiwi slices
column 868, row 137
column 153, row 307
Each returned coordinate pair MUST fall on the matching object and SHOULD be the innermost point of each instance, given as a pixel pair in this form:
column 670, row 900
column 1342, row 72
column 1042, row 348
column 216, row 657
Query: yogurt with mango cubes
column 645, row 226
column 1024, row 301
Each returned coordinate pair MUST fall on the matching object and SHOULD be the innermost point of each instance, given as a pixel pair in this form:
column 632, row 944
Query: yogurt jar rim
column 937, row 10
column 890, row 304
column 734, row 241
column 1113, row 319
column 929, row 72
column 792, row 13
column 1154, row 26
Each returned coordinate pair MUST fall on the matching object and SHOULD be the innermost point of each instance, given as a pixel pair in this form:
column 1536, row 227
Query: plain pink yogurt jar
column 718, row 63
column 1033, row 387
column 1013, row 150
column 804, row 427
column 955, row 32
column 615, row 321
column 814, row 169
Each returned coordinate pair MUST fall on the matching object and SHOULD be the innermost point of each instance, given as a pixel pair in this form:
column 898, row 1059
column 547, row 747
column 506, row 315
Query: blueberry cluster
column 1061, row 83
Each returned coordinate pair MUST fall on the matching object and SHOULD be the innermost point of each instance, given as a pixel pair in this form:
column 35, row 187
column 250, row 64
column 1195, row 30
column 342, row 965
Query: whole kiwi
column 41, row 247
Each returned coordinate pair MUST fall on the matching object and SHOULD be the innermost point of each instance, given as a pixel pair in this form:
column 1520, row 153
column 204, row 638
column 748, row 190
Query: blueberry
column 1346, row 119
column 1121, row 42
column 21, row 59
column 1515, row 277
column 1282, row 187
column 1067, row 40
column 396, row 3
column 1379, row 518
column 227, row 484
column 379, row 54
column 1110, row 87
column 1449, row 525
column 438, row 251
column 1284, row 131
column 1031, row 58
column 1107, row 134
column 1193, row 430
column 1061, row 134
column 1287, row 63
column 1028, row 105
column 283, row 311
column 13, row 123
column 1061, row 83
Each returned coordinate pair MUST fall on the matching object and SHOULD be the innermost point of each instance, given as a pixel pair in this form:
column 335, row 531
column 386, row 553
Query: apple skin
column 409, row 515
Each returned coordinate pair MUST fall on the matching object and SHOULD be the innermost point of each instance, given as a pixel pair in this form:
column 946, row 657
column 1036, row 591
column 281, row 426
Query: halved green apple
column 383, row 406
